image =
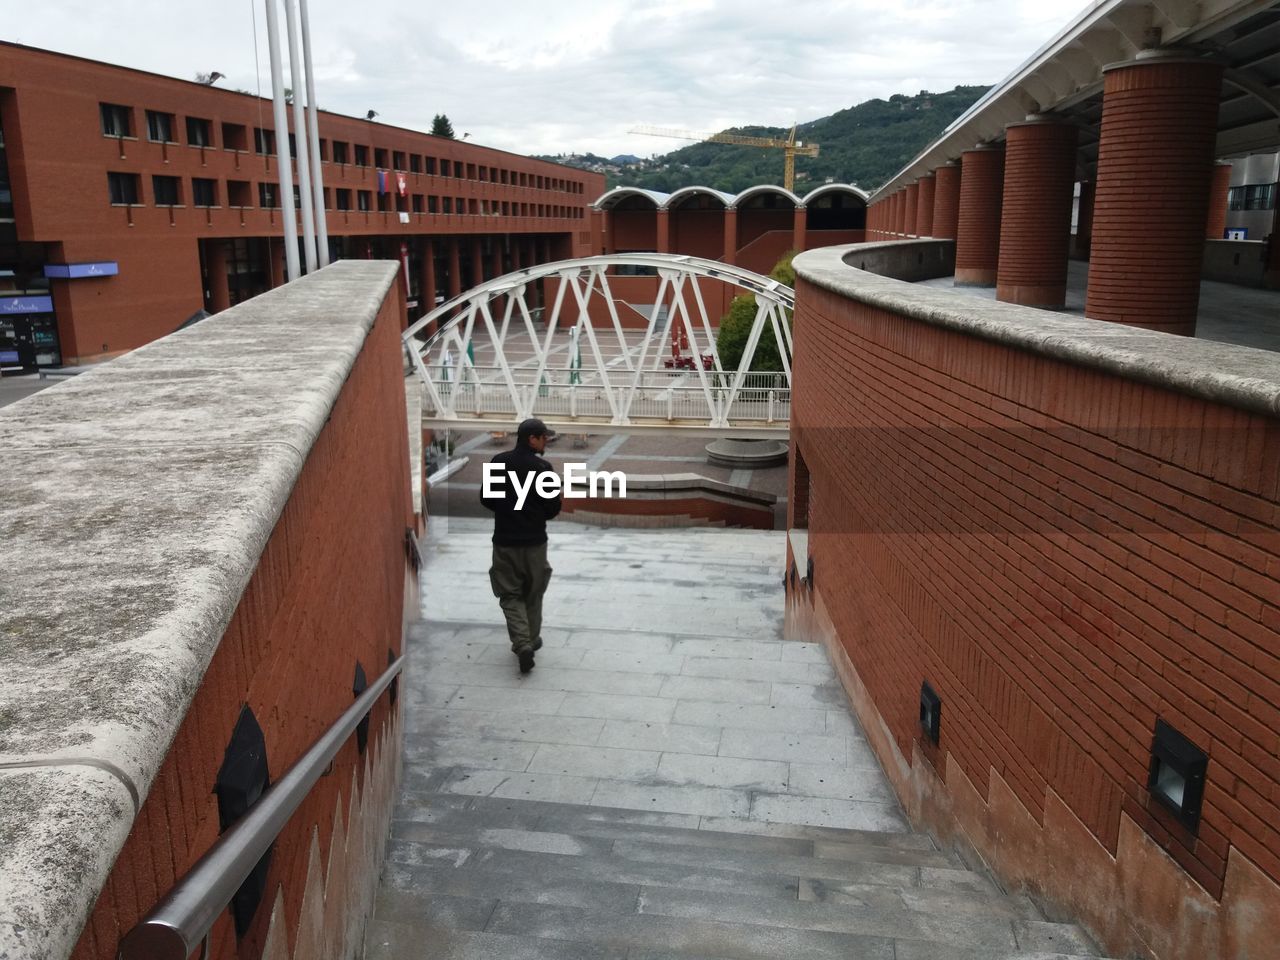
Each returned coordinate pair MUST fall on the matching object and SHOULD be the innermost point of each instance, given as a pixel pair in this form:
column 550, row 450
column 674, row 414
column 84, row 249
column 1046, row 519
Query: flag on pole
column 402, row 185
column 471, row 353
column 382, row 181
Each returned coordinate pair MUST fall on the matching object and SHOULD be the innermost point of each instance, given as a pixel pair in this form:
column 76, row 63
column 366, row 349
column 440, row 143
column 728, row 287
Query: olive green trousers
column 519, row 577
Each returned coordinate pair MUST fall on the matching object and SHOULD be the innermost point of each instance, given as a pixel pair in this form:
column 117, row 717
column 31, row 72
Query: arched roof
column 750, row 192
column 685, row 192
column 611, row 198
column 835, row 188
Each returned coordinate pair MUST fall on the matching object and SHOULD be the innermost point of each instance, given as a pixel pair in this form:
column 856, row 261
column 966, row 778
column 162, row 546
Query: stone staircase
column 481, row 877
column 674, row 781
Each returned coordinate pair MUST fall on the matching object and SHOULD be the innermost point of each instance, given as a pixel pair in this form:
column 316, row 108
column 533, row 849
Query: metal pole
column 313, row 128
column 300, row 129
column 283, row 159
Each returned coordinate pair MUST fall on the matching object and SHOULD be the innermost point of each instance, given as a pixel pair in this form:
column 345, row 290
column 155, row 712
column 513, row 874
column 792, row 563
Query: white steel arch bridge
column 590, row 361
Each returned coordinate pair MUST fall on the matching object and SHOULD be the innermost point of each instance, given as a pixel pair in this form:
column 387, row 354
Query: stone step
column 413, row 803
column 430, row 823
column 386, row 940
column 683, row 927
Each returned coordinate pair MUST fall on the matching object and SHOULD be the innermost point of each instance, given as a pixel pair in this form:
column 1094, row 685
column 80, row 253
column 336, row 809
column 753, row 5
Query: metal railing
column 182, row 920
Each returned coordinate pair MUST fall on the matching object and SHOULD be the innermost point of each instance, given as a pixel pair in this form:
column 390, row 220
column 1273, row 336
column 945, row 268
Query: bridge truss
column 495, row 359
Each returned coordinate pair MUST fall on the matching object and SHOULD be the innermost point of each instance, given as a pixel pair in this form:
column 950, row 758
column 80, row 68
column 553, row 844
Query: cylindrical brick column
column 1084, row 220
column 799, row 229
column 946, row 201
column 911, row 194
column 730, row 235
column 978, row 219
column 477, row 262
column 427, row 281
column 664, row 231
column 899, row 212
column 924, row 206
column 1155, row 165
column 1215, row 227
column 455, row 268
column 1035, row 213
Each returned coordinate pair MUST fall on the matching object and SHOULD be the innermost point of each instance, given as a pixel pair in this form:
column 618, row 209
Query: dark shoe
column 525, row 656
column 537, row 644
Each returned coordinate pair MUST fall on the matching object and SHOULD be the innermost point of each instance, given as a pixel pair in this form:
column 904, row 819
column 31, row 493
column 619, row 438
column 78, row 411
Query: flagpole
column 313, row 128
column 283, row 161
column 300, row 130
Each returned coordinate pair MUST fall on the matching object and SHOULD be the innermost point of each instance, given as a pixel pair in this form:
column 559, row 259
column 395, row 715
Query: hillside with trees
column 865, row 144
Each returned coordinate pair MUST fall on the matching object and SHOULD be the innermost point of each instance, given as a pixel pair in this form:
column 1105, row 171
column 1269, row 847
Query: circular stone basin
column 746, row 454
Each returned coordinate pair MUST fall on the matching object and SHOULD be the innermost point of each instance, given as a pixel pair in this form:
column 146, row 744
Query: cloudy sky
column 572, row 76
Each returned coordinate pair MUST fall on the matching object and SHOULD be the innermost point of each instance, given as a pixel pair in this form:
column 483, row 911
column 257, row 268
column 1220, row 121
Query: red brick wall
column 1065, row 555
column 328, row 590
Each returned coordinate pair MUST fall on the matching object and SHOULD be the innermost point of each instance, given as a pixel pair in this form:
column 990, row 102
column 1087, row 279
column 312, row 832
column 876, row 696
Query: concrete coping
column 665, row 485
column 139, row 497
column 1244, row 377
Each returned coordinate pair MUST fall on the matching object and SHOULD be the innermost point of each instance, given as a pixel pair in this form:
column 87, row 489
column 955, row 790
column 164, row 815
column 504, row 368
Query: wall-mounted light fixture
column 1177, row 773
column 241, row 781
column 930, row 712
column 358, row 686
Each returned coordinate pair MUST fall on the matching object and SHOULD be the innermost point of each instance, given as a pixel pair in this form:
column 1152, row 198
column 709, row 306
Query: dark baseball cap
column 533, row 427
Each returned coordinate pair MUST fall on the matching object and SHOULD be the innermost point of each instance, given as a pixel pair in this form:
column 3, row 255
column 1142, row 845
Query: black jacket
column 526, row 527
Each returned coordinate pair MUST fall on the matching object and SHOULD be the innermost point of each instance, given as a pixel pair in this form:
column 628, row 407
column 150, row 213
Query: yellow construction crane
column 789, row 146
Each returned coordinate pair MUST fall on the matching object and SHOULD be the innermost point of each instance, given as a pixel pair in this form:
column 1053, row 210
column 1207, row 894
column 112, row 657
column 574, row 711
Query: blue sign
column 76, row 271
column 8, row 356
column 26, row 305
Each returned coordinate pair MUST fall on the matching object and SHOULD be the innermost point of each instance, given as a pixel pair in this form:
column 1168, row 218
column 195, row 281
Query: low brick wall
column 1069, row 529
column 227, row 530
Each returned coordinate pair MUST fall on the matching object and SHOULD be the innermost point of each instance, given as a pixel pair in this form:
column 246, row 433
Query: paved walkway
column 1228, row 313
column 663, row 685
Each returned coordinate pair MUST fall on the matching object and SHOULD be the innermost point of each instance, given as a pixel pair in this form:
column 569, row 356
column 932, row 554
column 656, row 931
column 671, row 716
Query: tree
column 735, row 327
column 441, row 127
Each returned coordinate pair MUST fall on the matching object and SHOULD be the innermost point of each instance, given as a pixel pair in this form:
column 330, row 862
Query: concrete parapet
column 140, row 498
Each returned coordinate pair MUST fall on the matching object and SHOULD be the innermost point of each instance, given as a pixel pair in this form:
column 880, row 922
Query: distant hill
column 865, row 144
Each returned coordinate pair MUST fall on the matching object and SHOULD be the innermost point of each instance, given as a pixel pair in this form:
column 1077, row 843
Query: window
column 239, row 193
column 415, row 163
column 1254, row 196
column 264, row 141
column 324, row 149
column 397, row 160
column 380, row 157
column 340, row 152
column 433, row 204
column 123, row 188
column 117, row 121
column 445, row 168
column 363, row 200
column 268, row 195
column 167, row 190
column 448, row 204
column 235, row 136
column 431, row 166
column 293, row 146
column 344, row 199
column 159, row 127
column 362, row 155
column 199, row 132
column 471, row 171
column 326, row 199
column 417, row 203
column 384, row 202
column 204, row 193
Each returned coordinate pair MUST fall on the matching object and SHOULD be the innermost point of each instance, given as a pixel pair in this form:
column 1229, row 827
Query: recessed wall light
column 1176, row 775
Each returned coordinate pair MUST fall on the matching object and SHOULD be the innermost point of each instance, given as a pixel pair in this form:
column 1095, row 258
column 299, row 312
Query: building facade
column 130, row 202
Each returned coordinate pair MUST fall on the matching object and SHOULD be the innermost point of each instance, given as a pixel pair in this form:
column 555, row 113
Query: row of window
column 1254, row 196
column 126, row 189
column 117, row 121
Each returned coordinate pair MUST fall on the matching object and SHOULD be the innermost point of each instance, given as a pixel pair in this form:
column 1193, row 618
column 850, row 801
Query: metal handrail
column 182, row 920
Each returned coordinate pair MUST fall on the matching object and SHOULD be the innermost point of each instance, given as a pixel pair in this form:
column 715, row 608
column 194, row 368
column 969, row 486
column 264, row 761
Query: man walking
column 520, row 572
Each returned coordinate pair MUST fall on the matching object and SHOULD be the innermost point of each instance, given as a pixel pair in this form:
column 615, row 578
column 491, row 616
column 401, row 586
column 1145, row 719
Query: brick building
column 130, row 202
